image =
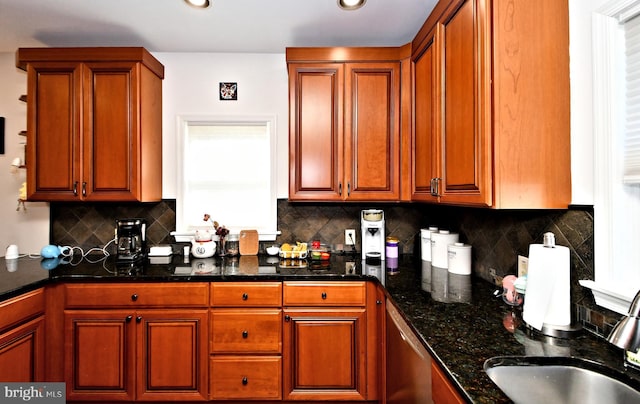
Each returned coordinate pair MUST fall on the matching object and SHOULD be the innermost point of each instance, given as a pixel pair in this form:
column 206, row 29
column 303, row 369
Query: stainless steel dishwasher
column 408, row 369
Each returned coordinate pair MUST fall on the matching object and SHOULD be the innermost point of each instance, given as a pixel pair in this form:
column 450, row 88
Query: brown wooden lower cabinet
column 22, row 356
column 325, row 341
column 257, row 342
column 245, row 341
column 324, row 354
column 22, row 352
column 124, row 354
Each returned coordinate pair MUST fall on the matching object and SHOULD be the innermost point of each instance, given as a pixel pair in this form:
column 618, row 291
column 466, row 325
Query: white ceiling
column 250, row 26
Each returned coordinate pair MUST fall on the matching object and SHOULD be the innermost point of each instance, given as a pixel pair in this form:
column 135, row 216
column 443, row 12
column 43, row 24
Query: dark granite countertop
column 458, row 317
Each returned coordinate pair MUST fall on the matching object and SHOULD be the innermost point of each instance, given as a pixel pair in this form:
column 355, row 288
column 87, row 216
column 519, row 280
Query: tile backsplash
column 497, row 236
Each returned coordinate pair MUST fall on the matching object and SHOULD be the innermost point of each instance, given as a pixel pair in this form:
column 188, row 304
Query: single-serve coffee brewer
column 131, row 239
column 373, row 240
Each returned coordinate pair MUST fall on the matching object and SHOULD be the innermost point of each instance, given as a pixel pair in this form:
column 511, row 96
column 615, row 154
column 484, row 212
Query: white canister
column 425, row 245
column 439, row 243
column 459, row 258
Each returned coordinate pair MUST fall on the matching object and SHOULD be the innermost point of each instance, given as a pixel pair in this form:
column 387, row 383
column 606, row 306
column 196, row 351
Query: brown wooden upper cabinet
column 94, row 124
column 492, row 105
column 344, row 128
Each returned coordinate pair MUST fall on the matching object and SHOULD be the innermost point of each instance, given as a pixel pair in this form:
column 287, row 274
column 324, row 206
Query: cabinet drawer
column 324, row 294
column 246, row 330
column 245, row 377
column 21, row 308
column 170, row 294
column 246, row 294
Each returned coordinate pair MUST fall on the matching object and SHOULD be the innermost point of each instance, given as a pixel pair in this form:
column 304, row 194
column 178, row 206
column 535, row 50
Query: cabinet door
column 110, row 131
column 99, row 354
column 426, row 71
column 22, row 353
column 372, row 131
column 316, row 107
column 465, row 165
column 53, row 131
column 172, row 355
column 324, row 354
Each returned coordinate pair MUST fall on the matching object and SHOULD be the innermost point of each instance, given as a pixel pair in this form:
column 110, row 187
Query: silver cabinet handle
column 435, row 186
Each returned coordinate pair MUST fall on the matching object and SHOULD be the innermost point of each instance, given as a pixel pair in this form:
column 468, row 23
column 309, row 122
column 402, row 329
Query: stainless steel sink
column 560, row 380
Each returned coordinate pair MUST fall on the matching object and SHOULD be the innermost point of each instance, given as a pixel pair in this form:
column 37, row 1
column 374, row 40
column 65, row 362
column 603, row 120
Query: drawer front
column 246, row 294
column 21, row 308
column 324, row 294
column 170, row 294
column 246, row 330
column 245, row 377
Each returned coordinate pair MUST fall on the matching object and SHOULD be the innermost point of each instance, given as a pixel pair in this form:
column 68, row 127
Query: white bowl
column 273, row 250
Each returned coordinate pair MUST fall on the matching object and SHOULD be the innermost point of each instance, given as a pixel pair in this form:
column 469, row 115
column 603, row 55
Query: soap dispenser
column 547, row 307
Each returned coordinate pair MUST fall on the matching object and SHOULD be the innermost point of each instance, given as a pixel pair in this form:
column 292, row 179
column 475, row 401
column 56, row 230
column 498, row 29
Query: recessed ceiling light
column 198, row 3
column 351, row 4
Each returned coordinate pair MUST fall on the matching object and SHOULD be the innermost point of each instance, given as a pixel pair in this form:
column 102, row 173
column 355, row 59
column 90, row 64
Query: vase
column 222, row 250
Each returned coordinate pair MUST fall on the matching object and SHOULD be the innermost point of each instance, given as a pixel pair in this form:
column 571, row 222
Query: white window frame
column 614, row 286
column 183, row 233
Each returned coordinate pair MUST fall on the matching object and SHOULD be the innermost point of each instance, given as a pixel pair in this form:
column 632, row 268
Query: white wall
column 30, row 229
column 191, row 87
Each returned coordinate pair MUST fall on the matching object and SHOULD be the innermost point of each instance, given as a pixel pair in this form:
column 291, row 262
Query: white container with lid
column 425, row 245
column 459, row 258
column 439, row 243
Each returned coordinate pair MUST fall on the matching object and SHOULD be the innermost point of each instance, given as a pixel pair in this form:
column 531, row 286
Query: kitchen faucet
column 626, row 334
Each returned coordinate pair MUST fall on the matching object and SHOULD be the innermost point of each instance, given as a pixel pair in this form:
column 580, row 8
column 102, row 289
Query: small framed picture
column 229, row 91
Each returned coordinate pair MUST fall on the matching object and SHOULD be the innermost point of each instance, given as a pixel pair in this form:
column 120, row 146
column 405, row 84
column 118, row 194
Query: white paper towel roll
column 439, row 243
column 548, row 296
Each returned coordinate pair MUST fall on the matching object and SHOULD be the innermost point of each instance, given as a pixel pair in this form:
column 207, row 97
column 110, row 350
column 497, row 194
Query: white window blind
column 228, row 171
column 632, row 124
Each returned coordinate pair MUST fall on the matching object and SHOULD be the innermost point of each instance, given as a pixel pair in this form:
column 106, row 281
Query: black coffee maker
column 131, row 239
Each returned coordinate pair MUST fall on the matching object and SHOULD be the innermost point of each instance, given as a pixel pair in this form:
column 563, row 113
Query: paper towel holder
column 556, row 330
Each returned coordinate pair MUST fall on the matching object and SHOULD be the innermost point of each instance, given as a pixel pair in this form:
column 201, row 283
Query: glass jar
column 232, row 245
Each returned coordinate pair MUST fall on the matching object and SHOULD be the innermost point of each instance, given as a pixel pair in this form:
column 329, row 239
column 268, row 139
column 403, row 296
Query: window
column 227, row 169
column 616, row 203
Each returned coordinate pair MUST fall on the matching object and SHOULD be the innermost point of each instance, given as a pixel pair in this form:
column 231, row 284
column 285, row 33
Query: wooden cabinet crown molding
column 347, row 54
column 24, row 56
